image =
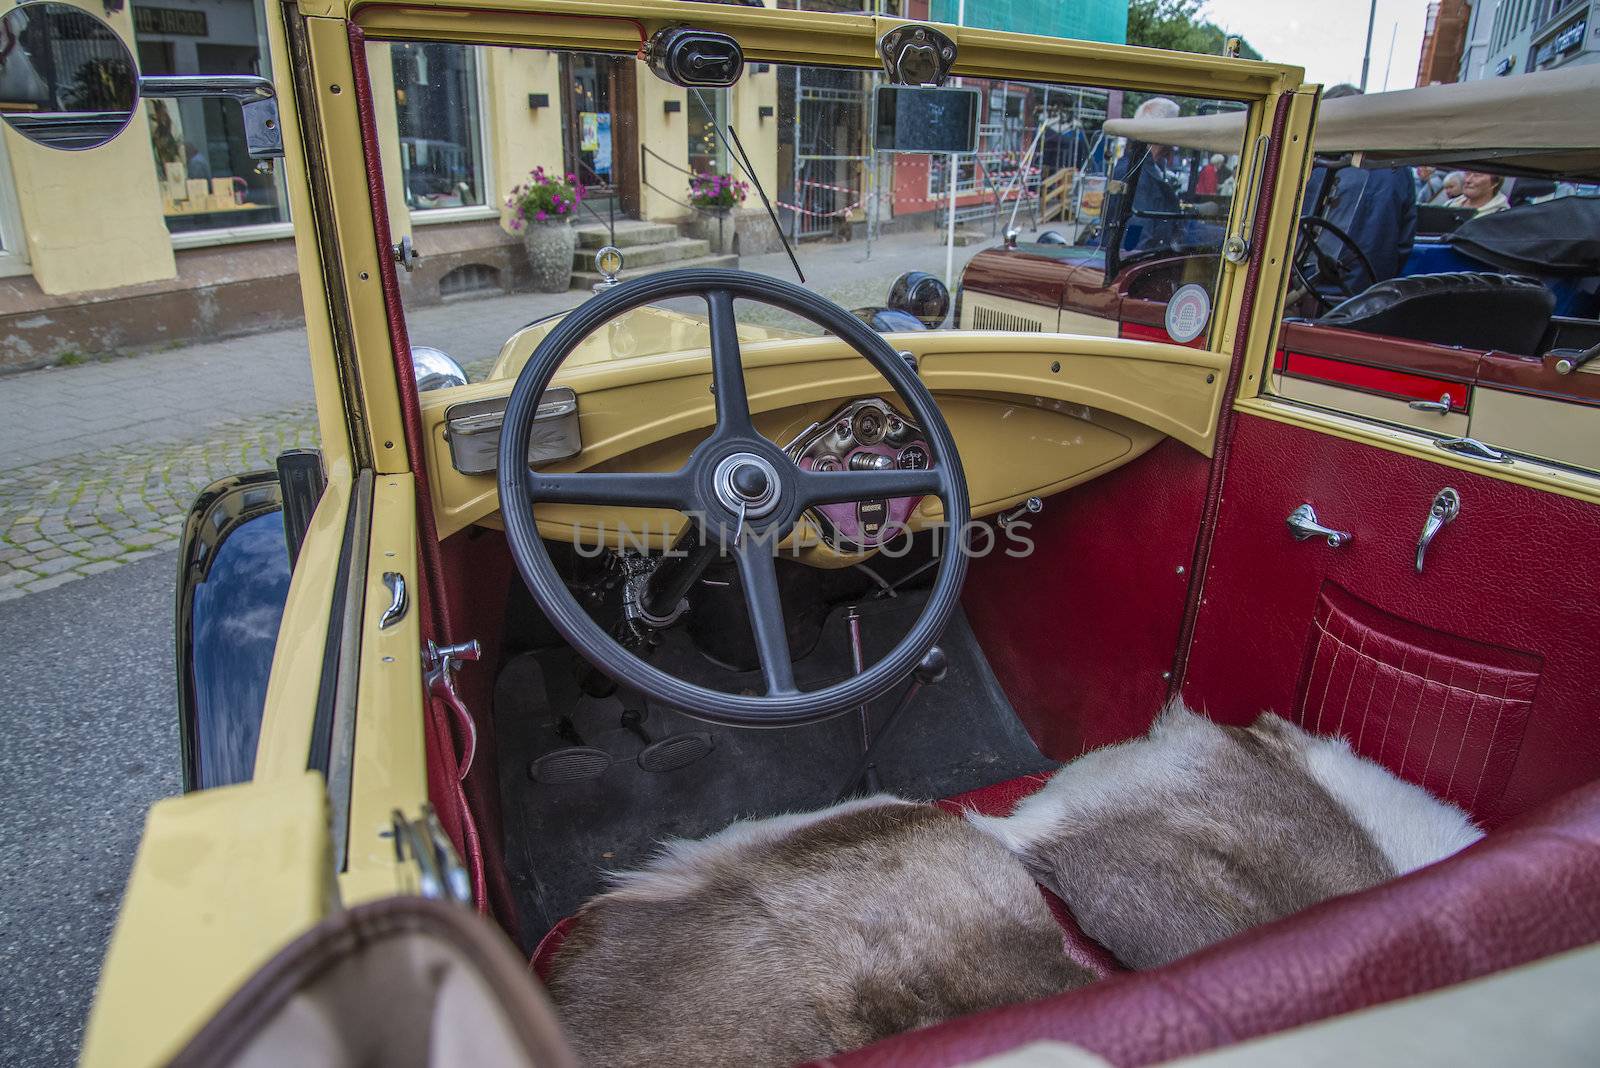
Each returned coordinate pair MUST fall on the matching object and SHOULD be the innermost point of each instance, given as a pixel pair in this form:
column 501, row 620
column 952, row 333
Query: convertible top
column 1544, row 123
column 1558, row 237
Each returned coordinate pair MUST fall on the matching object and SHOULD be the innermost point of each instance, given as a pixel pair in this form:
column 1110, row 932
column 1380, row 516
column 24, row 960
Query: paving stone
column 58, row 565
column 100, row 566
column 11, row 579
column 40, row 585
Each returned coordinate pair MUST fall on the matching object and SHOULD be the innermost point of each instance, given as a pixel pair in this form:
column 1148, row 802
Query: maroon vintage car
column 1484, row 334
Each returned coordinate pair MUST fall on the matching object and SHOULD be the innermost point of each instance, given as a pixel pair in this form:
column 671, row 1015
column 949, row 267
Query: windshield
column 512, row 168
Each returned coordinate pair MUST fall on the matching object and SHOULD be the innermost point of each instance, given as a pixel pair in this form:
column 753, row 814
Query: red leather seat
column 1526, row 891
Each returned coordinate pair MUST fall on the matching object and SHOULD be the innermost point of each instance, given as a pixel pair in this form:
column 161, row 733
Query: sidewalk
column 102, row 460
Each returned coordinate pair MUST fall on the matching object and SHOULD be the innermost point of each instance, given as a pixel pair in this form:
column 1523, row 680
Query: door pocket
column 1437, row 709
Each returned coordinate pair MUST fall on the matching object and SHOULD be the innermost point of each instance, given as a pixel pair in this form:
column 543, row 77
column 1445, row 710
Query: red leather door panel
column 1479, row 677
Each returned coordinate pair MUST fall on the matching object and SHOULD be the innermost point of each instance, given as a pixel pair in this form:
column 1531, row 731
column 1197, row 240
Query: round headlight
column 435, row 369
column 921, row 294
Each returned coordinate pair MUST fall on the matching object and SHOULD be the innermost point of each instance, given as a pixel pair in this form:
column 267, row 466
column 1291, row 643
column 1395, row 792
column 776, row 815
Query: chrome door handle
column 1446, row 506
column 1474, row 448
column 1303, row 524
column 1438, row 407
column 398, row 601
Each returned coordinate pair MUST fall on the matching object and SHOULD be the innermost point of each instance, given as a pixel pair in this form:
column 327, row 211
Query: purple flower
column 541, row 216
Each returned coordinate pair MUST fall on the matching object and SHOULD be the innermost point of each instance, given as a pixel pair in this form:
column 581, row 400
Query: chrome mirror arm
column 263, row 134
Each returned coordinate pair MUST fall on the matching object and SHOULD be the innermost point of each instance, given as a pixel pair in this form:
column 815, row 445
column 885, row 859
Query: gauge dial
column 913, row 458
column 869, row 425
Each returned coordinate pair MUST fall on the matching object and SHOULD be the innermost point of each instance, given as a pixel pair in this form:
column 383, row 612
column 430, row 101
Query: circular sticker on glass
column 1188, row 312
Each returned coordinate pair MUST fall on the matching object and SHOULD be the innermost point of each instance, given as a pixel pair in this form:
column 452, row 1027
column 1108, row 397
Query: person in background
column 1377, row 207
column 1452, row 188
column 1205, row 183
column 1481, row 193
column 1430, row 183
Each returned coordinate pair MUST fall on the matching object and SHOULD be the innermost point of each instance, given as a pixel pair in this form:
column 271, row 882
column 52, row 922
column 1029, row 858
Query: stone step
column 630, row 232
column 587, row 279
column 679, row 248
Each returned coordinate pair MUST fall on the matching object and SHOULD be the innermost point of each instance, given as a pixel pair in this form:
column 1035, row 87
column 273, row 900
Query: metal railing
column 610, row 218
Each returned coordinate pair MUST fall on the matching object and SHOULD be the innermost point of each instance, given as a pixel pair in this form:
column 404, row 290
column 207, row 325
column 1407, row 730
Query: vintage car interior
column 710, row 546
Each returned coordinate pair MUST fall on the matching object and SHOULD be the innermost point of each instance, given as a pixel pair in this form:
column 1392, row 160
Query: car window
column 512, row 168
column 1462, row 317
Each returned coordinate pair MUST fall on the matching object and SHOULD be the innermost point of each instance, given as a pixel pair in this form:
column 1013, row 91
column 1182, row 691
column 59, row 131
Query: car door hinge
column 422, row 841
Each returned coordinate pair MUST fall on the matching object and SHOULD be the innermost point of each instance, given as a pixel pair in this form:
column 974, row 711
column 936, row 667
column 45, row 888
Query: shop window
column 708, row 110
column 207, row 179
column 440, row 125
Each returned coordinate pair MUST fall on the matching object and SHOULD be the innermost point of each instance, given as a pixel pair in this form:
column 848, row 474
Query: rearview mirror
column 67, row 80
column 926, row 119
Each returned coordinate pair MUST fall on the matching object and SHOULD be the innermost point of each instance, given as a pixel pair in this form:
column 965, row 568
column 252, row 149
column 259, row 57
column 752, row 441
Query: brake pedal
column 676, row 751
column 575, row 763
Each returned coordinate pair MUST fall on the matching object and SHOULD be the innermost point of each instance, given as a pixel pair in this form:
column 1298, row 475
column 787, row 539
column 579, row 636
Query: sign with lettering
column 169, row 21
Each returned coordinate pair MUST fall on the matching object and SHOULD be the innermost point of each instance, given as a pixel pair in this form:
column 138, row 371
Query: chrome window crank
column 1303, row 524
column 1446, row 506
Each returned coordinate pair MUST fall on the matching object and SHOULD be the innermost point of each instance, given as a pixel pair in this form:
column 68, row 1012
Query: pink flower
column 541, row 216
column 572, row 177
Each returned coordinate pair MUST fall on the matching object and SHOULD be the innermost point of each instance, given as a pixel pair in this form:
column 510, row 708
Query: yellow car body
column 225, row 877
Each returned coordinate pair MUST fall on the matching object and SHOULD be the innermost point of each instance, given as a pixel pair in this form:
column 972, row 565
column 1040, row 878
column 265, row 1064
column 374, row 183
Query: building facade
column 1444, row 38
column 1515, row 36
column 173, row 233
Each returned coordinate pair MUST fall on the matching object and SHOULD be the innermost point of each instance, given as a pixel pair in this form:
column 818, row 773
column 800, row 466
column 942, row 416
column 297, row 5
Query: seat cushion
column 1524, row 892
column 1479, row 311
column 996, row 800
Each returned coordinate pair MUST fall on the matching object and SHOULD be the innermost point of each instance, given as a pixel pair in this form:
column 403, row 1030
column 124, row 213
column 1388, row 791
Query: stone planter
column 550, row 247
column 716, row 228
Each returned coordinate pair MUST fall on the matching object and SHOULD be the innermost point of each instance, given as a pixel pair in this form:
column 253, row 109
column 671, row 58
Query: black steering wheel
column 744, row 490
column 1330, row 267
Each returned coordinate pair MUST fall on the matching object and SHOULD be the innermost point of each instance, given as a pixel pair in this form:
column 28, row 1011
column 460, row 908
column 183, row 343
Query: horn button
column 746, row 482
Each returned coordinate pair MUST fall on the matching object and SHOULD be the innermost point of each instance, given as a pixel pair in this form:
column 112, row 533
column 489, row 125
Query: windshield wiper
column 743, row 160
column 744, row 165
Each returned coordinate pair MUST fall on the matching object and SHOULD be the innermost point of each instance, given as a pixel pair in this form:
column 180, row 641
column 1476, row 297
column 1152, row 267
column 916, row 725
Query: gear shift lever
column 931, row 669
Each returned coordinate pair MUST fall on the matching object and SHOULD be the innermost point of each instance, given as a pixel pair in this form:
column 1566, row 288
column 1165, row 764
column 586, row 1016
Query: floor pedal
column 676, row 751
column 575, row 763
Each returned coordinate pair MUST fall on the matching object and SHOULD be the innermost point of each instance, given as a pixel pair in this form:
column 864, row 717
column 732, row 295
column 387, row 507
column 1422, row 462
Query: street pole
column 1366, row 55
column 1394, row 31
column 950, row 179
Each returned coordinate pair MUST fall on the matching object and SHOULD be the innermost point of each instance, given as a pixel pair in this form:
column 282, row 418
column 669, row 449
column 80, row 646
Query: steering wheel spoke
column 727, row 366
column 836, row 487
column 636, row 489
column 758, row 573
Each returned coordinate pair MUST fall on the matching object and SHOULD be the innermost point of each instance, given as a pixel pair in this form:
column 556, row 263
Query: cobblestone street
column 104, row 459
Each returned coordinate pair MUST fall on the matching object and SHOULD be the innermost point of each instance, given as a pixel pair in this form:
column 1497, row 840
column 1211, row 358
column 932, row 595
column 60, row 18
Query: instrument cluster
column 864, row 435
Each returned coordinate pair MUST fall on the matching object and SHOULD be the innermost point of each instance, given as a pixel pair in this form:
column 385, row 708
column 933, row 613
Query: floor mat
column 562, row 837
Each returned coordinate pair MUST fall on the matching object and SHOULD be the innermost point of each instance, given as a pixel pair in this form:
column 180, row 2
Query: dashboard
column 1032, row 415
column 864, row 435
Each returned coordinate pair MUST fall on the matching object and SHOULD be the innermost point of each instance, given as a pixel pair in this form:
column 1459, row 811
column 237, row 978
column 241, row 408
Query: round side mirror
column 67, row 80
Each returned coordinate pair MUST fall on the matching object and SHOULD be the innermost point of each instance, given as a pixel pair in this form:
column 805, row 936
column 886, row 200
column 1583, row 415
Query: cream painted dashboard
column 1032, row 414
